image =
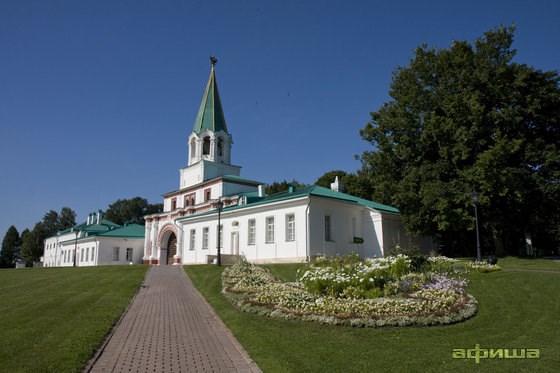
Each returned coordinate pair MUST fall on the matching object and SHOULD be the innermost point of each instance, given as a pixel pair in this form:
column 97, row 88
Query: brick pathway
column 169, row 327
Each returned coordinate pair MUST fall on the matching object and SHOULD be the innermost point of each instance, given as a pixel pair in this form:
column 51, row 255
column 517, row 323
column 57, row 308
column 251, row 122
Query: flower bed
column 349, row 291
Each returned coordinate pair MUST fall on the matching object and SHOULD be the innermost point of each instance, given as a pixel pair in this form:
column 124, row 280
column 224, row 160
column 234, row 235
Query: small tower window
column 206, row 146
column 220, row 147
column 193, row 148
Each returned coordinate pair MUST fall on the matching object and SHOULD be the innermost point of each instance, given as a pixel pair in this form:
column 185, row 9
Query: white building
column 96, row 242
column 291, row 226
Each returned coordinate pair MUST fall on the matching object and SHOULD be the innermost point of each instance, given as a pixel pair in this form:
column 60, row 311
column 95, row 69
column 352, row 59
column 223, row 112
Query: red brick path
column 169, row 327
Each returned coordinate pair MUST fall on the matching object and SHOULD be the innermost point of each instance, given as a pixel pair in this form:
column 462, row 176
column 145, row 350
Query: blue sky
column 97, row 98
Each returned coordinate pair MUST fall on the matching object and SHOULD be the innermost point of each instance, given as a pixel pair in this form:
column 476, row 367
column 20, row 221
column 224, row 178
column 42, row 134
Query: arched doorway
column 171, row 248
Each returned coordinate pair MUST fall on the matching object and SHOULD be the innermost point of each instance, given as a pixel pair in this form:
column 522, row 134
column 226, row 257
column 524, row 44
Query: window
column 87, row 253
column 205, row 238
column 251, row 235
column 193, row 239
column 206, row 146
column 270, row 229
column 193, row 148
column 290, row 227
column 207, row 194
column 173, row 203
column 82, row 255
column 220, row 147
column 116, row 254
column 92, row 254
column 129, row 254
column 221, row 235
column 190, row 200
column 328, row 230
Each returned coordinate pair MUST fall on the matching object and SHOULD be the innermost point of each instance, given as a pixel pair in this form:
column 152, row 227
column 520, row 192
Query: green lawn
column 53, row 319
column 518, row 309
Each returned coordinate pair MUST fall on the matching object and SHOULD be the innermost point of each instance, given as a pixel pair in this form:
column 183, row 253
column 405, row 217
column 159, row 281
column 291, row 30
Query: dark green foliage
column 282, row 186
column 131, row 210
column 32, row 244
column 66, row 218
column 417, row 257
column 469, row 118
column 353, row 184
column 10, row 248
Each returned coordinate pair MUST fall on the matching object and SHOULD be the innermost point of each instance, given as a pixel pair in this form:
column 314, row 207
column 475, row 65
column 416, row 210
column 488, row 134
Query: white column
column 147, row 233
column 155, row 245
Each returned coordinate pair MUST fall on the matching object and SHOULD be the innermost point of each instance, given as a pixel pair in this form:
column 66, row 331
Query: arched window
column 220, row 147
column 193, row 148
column 206, row 146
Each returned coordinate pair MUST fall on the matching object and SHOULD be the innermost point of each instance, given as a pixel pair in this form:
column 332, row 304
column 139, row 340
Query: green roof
column 92, row 229
column 239, row 178
column 210, row 114
column 128, row 231
column 314, row 190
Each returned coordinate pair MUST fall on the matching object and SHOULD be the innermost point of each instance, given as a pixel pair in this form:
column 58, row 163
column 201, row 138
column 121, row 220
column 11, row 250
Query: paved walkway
column 169, row 327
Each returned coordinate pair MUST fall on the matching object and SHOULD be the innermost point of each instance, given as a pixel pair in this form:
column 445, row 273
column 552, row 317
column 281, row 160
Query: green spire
column 210, row 115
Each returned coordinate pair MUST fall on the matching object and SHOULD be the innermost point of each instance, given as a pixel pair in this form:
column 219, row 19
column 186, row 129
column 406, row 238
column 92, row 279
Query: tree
column 50, row 223
column 354, row 184
column 282, row 186
column 131, row 210
column 469, row 118
column 10, row 248
column 32, row 244
column 66, row 218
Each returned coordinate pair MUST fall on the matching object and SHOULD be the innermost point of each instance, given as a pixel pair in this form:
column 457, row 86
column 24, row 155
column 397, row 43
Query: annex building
column 95, row 242
column 215, row 208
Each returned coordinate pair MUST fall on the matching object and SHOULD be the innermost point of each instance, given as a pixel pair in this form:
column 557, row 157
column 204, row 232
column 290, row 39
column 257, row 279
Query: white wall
column 90, row 251
column 237, row 223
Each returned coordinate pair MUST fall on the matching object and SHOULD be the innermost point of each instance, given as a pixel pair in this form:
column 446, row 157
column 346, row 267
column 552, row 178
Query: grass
column 53, row 319
column 518, row 309
column 511, row 262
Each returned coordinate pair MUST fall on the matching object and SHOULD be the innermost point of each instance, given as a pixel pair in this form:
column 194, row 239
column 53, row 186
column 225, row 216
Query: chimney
column 99, row 217
column 261, row 190
column 88, row 219
column 337, row 186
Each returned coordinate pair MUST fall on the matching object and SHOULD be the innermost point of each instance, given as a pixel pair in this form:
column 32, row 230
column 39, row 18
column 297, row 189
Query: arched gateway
column 171, row 248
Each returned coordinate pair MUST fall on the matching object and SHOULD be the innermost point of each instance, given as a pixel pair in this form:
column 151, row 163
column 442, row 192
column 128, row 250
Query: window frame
column 328, row 228
column 205, row 238
column 251, row 232
column 116, row 254
column 290, row 227
column 192, row 239
column 269, row 228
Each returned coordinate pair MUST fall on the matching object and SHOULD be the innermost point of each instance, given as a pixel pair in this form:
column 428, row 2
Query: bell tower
column 210, row 142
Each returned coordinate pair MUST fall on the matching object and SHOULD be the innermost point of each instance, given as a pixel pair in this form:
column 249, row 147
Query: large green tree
column 32, row 244
column 10, row 248
column 66, row 218
column 131, row 210
column 469, row 118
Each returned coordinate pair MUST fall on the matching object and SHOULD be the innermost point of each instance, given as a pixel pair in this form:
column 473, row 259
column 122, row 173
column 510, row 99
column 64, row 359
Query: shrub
column 418, row 259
